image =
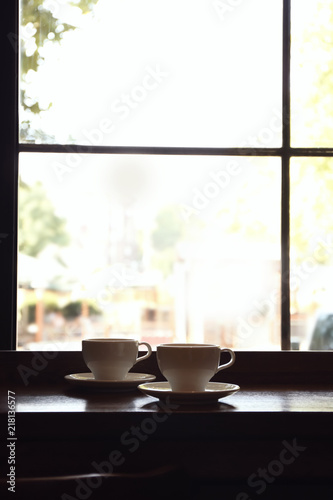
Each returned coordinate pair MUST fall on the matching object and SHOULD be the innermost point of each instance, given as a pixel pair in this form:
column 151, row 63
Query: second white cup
column 112, row 359
column 189, row 367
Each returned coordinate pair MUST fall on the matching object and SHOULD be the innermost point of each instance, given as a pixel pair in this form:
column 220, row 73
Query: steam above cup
column 189, row 367
column 112, row 359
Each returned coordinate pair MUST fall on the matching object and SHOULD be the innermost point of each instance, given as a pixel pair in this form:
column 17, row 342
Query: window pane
column 163, row 248
column 152, row 73
column 311, row 253
column 312, row 73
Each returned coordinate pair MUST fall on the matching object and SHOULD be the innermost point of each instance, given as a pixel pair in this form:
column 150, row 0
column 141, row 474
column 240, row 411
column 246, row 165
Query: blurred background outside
column 172, row 248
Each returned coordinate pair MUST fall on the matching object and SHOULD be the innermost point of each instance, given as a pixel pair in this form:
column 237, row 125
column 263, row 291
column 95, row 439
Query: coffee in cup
column 189, row 367
column 111, row 359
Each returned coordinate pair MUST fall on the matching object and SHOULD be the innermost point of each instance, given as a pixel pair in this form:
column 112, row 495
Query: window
column 173, row 170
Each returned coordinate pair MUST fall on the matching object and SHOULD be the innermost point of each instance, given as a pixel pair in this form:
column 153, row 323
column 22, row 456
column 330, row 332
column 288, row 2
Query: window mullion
column 285, row 181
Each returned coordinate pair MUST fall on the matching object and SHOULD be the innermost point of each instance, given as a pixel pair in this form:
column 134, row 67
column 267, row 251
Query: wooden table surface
column 63, row 410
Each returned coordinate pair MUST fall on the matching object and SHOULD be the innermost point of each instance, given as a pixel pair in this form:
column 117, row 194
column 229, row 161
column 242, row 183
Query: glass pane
column 312, row 73
column 163, row 248
column 312, row 253
column 151, row 73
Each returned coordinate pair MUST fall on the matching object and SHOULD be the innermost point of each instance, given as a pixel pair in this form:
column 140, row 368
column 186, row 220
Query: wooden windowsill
column 275, row 387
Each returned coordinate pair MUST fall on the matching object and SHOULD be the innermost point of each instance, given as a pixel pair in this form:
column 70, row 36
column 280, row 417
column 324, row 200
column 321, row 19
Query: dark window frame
column 9, row 174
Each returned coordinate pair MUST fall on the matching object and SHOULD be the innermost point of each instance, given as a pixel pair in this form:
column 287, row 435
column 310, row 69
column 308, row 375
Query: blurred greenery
column 30, row 304
column 40, row 24
column 312, row 178
column 38, row 224
column 40, row 17
column 170, row 228
column 74, row 310
column 71, row 310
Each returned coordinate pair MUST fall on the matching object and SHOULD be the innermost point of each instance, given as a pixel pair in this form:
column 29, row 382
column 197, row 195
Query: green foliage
column 311, row 207
column 30, row 304
column 164, row 261
column 38, row 224
column 31, row 313
column 319, row 35
column 39, row 20
column 74, row 310
column 169, row 230
column 40, row 24
column 51, row 307
column 312, row 178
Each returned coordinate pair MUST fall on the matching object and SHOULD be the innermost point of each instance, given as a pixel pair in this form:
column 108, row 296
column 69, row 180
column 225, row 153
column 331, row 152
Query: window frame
column 9, row 173
column 9, row 179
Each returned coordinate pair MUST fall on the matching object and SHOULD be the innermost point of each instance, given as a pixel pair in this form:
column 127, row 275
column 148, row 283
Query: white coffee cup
column 189, row 367
column 111, row 359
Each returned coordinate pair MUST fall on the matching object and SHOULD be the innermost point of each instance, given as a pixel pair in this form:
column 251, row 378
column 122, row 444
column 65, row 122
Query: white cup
column 111, row 359
column 189, row 367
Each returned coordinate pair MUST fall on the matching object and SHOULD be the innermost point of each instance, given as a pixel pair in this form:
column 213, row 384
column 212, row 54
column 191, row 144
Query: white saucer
column 212, row 394
column 131, row 381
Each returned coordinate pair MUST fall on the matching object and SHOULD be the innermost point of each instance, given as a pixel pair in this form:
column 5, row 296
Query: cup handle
column 232, row 360
column 141, row 358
